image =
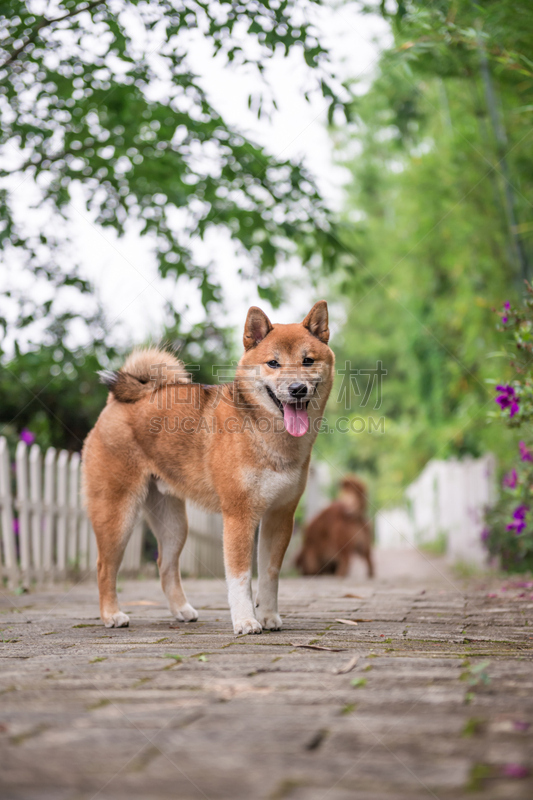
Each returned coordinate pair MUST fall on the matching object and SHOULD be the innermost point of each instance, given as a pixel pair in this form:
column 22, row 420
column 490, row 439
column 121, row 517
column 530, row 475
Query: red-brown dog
column 337, row 533
column 242, row 449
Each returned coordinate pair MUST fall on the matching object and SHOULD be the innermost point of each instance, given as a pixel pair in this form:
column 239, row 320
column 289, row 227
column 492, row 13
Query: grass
column 175, row 657
column 473, row 726
column 476, row 675
column 22, row 737
column 436, row 547
column 348, row 709
column 98, row 704
column 141, row 682
column 285, row 788
column 478, row 775
column 463, row 570
column 87, row 625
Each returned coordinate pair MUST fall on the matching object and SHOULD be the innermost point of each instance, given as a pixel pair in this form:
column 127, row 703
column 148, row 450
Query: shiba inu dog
column 337, row 533
column 241, row 448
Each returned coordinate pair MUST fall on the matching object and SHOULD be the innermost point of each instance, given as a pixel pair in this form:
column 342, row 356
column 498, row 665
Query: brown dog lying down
column 338, row 532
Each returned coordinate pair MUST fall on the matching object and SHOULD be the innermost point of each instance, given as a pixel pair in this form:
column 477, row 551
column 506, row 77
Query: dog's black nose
column 298, row 390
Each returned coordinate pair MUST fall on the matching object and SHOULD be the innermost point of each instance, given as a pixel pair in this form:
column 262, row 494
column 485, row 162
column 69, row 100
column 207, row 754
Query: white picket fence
column 202, row 556
column 45, row 532
column 447, row 500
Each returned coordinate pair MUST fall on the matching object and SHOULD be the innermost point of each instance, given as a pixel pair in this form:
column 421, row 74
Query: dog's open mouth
column 295, row 417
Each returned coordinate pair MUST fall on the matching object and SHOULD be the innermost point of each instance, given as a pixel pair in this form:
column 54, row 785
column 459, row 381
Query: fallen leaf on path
column 347, row 621
column 357, row 596
column 347, row 667
column 514, row 771
column 319, row 647
column 143, row 603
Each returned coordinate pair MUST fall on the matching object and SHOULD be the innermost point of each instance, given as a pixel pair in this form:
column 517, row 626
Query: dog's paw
column 270, row 621
column 118, row 620
column 186, row 613
column 246, row 626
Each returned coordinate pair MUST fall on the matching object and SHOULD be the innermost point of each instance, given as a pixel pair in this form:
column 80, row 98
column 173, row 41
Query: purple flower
column 510, row 480
column 507, row 399
column 507, row 306
column 16, row 526
column 514, row 771
column 27, row 436
column 485, row 533
column 525, row 453
column 519, row 725
column 518, row 524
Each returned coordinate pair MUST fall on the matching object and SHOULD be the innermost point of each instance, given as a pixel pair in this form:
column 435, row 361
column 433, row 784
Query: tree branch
column 44, row 23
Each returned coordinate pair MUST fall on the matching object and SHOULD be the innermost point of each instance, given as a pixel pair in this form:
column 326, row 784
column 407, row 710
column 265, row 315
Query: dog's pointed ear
column 316, row 321
column 256, row 327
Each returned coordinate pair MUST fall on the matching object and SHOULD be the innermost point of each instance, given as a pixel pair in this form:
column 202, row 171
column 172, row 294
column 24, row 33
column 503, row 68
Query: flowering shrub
column 509, row 525
column 27, row 436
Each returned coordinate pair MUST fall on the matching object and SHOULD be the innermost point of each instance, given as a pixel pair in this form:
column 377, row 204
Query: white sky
column 124, row 270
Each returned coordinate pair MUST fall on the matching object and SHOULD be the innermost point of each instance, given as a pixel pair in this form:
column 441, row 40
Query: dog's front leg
column 238, row 549
column 274, row 537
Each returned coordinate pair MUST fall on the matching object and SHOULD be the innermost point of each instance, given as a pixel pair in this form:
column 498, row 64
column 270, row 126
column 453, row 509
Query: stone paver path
column 438, row 704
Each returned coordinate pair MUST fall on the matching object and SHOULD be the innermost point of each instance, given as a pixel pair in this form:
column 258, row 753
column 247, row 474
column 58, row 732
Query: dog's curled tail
column 143, row 372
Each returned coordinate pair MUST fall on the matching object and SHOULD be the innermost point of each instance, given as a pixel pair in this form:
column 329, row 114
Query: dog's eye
column 273, row 364
column 308, row 361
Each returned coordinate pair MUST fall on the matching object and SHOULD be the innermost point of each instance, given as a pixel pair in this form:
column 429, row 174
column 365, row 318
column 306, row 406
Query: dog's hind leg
column 274, row 537
column 342, row 563
column 113, row 523
column 114, row 485
column 168, row 520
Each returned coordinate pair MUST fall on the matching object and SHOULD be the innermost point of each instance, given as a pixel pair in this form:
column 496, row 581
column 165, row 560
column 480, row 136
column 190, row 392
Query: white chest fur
column 271, row 488
column 162, row 486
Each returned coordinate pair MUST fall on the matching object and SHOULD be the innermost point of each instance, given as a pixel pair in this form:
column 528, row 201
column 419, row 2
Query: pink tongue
column 295, row 420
